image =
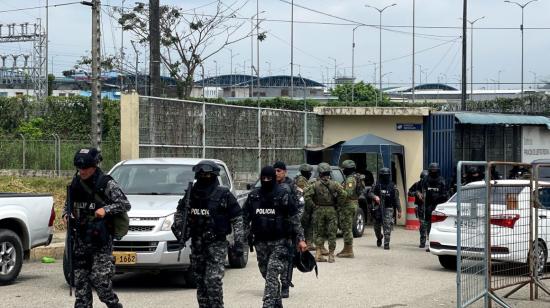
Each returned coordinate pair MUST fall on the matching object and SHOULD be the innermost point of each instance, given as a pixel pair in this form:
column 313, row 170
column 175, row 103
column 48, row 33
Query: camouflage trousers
column 425, row 218
column 94, row 269
column 385, row 224
column 346, row 215
column 307, row 223
column 272, row 256
column 326, row 226
column 208, row 266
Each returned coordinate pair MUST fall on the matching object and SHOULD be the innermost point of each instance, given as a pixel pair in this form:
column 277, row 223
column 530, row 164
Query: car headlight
column 167, row 224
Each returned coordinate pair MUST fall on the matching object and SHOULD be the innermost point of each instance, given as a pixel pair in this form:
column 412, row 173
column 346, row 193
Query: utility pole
column 464, row 53
column 413, row 51
column 292, row 50
column 96, row 128
column 47, row 46
column 122, row 53
column 137, row 65
column 154, row 47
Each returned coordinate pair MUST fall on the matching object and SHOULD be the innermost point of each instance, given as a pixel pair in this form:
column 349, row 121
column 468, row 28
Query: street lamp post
column 534, row 79
column 334, row 69
column 472, row 55
column 498, row 79
column 353, row 63
column 380, row 38
column 522, row 6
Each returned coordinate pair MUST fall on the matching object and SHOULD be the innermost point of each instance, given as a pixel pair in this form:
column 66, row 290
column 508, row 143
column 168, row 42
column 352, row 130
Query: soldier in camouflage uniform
column 386, row 199
column 213, row 212
column 302, row 181
column 325, row 195
column 353, row 185
column 271, row 218
column 93, row 261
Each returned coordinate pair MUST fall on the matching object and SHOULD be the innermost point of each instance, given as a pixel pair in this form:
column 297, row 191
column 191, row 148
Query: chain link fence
column 52, row 155
column 502, row 235
column 245, row 138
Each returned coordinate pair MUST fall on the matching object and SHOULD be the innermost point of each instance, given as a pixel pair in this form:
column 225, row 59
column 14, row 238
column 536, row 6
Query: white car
column 509, row 224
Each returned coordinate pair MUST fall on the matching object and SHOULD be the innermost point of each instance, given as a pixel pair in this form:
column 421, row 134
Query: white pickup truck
column 154, row 186
column 26, row 221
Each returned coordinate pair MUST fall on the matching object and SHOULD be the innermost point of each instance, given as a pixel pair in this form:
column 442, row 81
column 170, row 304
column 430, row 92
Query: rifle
column 250, row 241
column 70, row 238
column 183, row 231
column 290, row 264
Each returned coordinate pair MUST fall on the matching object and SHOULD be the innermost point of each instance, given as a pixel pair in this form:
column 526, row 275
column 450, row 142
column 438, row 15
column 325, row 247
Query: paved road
column 405, row 276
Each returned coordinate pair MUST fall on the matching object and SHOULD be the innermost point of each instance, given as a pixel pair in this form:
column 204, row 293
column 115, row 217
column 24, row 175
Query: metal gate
column 502, row 235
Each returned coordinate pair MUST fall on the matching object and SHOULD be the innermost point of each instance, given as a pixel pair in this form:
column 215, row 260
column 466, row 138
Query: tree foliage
column 361, row 92
column 69, row 117
column 188, row 39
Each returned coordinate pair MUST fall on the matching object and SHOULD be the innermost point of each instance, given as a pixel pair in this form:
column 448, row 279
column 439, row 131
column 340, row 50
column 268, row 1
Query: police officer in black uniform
column 212, row 212
column 295, row 198
column 271, row 218
column 434, row 192
column 386, row 202
column 416, row 191
column 95, row 198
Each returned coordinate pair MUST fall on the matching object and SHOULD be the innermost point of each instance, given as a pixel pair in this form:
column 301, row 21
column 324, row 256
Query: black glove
column 238, row 249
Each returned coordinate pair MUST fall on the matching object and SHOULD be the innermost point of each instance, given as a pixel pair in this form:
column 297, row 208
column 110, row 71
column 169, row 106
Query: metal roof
column 500, row 119
column 245, row 80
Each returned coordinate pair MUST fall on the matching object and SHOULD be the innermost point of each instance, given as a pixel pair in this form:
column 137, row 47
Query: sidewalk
column 54, row 250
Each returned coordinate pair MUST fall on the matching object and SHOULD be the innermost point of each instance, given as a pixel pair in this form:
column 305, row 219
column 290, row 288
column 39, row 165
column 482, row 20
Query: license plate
column 125, row 257
column 467, row 224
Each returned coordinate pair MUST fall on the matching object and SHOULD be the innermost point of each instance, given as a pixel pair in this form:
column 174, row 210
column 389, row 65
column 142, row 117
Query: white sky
column 494, row 49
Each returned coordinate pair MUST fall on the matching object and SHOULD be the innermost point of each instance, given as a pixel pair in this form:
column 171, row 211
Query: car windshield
column 153, row 179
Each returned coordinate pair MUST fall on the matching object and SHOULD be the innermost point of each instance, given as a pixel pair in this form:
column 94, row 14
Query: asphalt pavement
column 404, row 276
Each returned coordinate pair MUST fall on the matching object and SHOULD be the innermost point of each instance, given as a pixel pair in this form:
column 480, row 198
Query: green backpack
column 118, row 224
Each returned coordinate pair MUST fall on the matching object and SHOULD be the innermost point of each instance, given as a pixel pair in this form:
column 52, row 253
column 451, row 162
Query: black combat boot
column 422, row 245
column 379, row 242
column 386, row 246
column 285, row 290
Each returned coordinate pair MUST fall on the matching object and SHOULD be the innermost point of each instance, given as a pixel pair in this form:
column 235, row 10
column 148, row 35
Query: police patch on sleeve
column 350, row 185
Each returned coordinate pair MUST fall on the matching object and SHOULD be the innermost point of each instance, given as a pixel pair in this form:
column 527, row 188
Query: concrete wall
column 129, row 126
column 346, row 123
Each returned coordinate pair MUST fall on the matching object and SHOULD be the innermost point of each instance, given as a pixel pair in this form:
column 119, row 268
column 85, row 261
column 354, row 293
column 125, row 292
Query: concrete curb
column 54, row 250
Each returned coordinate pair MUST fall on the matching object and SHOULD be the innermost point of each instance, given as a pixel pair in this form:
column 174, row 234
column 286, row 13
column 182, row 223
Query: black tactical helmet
column 433, row 167
column 86, row 158
column 305, row 262
column 207, row 166
column 423, row 174
column 384, row 171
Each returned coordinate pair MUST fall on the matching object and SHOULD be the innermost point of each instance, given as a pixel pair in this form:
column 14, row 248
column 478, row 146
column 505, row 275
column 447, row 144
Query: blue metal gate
column 439, row 143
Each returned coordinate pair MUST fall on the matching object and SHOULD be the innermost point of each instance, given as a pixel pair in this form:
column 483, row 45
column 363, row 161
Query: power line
column 40, row 7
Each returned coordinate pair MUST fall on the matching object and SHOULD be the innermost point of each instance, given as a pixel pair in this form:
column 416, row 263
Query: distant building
column 442, row 93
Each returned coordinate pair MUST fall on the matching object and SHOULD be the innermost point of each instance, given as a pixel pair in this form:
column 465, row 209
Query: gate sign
column 535, row 143
column 408, row 126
